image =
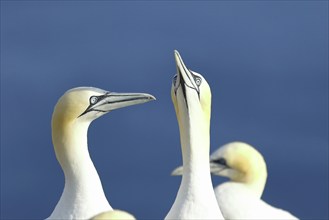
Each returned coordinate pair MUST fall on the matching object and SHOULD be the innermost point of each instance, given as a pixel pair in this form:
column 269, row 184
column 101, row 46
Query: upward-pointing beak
column 184, row 75
column 112, row 100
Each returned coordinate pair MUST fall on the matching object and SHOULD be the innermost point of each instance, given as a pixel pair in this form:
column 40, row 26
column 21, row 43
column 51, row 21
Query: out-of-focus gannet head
column 114, row 215
column 241, row 163
column 191, row 96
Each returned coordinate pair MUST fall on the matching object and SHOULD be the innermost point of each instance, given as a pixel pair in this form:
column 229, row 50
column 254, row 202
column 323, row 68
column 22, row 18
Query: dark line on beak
column 182, row 84
column 126, row 100
column 90, row 109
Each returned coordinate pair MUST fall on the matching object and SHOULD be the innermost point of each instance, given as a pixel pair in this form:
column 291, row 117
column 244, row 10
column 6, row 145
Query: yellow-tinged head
column 77, row 108
column 190, row 94
column 241, row 163
column 88, row 103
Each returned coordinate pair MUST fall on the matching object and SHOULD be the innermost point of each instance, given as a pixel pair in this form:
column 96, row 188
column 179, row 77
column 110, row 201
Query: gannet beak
column 178, row 171
column 184, row 75
column 216, row 168
column 112, row 100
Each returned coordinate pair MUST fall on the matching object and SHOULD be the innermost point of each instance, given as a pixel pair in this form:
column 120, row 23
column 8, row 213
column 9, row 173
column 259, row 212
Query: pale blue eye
column 93, row 99
column 198, row 80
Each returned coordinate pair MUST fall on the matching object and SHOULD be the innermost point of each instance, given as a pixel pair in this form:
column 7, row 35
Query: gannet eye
column 197, row 80
column 174, row 80
column 93, row 99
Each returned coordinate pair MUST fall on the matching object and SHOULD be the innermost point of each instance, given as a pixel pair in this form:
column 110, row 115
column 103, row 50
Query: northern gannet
column 83, row 196
column 114, row 215
column 240, row 198
column 191, row 97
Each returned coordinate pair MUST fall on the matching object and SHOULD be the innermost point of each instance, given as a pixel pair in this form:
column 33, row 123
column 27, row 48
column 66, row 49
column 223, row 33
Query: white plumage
column 240, row 198
column 83, row 195
column 237, row 201
column 114, row 215
column 192, row 101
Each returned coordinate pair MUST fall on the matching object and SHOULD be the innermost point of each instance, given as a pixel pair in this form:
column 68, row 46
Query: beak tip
column 177, row 56
column 151, row 98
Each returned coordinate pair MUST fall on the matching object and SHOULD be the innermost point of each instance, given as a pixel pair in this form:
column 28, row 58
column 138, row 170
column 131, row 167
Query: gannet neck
column 195, row 198
column 83, row 193
column 251, row 164
column 256, row 178
column 195, row 144
column 237, row 201
column 250, row 170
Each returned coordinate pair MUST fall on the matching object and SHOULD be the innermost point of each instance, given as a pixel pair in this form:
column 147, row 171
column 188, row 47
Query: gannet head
column 241, row 163
column 76, row 109
column 190, row 94
column 88, row 103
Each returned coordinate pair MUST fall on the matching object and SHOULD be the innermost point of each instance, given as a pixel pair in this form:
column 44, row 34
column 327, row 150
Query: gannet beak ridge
column 184, row 75
column 112, row 100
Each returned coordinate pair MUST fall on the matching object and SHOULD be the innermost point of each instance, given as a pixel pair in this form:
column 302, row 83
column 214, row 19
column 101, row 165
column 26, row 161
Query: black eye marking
column 174, row 80
column 197, row 81
column 220, row 161
column 92, row 101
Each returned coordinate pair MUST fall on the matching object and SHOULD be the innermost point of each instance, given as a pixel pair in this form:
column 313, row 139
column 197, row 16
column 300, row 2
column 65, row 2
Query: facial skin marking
column 197, row 80
column 92, row 101
column 220, row 161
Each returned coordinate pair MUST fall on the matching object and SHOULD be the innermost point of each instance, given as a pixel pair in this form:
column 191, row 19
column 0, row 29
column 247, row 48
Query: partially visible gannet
column 83, row 196
column 240, row 198
column 114, row 215
column 191, row 96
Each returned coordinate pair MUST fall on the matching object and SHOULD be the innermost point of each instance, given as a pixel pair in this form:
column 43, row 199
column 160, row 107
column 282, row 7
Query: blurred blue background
column 266, row 63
